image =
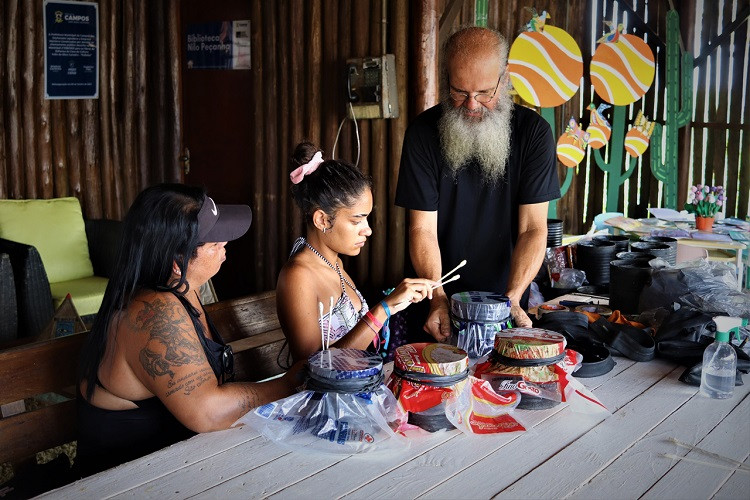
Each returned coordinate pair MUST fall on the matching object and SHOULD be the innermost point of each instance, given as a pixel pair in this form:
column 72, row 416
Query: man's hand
column 438, row 321
column 519, row 316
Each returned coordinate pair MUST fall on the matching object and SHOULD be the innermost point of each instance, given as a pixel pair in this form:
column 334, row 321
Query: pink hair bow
column 311, row 166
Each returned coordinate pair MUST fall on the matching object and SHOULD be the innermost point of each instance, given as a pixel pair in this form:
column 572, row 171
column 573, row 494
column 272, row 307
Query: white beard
column 486, row 139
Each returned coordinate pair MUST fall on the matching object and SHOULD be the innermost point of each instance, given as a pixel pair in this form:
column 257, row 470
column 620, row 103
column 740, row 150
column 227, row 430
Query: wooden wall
column 104, row 151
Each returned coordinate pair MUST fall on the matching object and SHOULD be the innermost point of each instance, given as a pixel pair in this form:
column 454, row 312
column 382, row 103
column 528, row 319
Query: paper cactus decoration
column 679, row 110
column 622, row 70
column 545, row 66
column 571, row 147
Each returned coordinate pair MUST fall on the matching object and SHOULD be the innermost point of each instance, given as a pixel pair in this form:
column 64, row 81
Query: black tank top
column 107, row 438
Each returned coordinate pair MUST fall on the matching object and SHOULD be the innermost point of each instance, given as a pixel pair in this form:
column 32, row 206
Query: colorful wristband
column 387, row 309
column 374, row 320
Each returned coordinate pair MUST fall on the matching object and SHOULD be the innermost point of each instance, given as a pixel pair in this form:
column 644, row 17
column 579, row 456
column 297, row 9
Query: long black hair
column 160, row 228
column 335, row 184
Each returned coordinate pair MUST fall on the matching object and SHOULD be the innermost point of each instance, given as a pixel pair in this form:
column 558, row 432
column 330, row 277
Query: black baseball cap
column 222, row 222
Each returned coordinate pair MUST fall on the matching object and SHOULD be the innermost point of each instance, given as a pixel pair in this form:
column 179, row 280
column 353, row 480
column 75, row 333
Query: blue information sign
column 71, row 50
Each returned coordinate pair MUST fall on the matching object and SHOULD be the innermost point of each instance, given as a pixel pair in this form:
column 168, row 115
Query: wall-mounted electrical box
column 371, row 87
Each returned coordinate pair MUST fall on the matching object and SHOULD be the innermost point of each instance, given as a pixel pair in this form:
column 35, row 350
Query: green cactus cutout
column 616, row 149
column 480, row 13
column 549, row 115
column 679, row 111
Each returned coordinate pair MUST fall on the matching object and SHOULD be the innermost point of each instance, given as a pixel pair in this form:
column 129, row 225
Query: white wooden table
column 564, row 455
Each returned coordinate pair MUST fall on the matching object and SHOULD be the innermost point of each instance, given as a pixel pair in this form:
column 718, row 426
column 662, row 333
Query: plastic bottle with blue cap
column 719, row 363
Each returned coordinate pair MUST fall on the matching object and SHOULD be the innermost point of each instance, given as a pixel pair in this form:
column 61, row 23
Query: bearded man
column 477, row 173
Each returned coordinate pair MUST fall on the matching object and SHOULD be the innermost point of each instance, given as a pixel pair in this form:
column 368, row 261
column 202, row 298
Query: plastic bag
column 535, row 363
column 706, row 285
column 475, row 319
column 447, row 396
column 570, row 278
column 335, row 422
column 331, row 422
column 712, row 286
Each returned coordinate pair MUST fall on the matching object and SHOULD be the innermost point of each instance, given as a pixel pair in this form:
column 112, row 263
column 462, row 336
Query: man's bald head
column 476, row 42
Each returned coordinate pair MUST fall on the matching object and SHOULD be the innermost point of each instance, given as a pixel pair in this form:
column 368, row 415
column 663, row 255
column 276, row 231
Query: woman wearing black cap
column 155, row 370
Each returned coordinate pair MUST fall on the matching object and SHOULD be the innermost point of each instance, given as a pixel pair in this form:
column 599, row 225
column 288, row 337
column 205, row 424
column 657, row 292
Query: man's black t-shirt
column 477, row 221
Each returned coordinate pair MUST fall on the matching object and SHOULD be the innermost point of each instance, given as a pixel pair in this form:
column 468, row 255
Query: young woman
column 335, row 199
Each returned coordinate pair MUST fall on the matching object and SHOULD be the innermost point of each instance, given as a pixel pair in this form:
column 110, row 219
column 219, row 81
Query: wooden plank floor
column 563, row 455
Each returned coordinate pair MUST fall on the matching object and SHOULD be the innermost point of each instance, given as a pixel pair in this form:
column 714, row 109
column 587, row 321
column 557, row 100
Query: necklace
column 335, row 268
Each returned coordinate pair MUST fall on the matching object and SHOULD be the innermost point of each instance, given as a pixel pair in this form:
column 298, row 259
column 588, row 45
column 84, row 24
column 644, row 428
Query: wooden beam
column 447, row 19
column 719, row 40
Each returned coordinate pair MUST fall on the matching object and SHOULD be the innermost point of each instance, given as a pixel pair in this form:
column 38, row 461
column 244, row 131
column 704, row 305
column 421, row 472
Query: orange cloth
column 615, row 317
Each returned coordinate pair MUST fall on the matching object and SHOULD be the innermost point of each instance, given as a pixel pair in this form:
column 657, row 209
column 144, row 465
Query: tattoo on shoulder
column 167, row 346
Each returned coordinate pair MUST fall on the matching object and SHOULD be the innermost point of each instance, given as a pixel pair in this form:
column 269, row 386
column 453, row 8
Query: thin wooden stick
column 711, row 454
column 458, row 276
column 330, row 316
column 441, row 283
column 459, row 266
column 703, row 462
column 322, row 329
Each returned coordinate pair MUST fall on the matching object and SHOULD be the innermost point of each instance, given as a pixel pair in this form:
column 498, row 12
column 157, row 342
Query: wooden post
column 296, row 102
column 270, row 106
column 44, row 142
column 174, row 143
column 425, row 56
column 29, row 113
column 399, row 35
column 132, row 184
column 361, row 48
column 259, row 210
column 379, row 169
column 15, row 170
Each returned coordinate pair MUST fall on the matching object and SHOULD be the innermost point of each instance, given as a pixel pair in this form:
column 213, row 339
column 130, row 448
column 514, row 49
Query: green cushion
column 87, row 293
column 55, row 227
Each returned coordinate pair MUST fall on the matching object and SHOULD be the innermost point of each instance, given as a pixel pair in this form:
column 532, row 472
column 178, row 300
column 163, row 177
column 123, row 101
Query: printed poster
column 71, row 50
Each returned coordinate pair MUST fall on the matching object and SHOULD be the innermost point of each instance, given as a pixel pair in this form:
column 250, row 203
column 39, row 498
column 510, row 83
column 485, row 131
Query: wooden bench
column 248, row 324
column 27, row 371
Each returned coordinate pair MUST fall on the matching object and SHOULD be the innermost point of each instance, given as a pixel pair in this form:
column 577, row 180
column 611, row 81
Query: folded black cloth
column 597, row 359
column 684, row 335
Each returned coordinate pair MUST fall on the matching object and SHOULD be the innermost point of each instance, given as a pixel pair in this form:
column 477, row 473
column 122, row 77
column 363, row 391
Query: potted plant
column 704, row 202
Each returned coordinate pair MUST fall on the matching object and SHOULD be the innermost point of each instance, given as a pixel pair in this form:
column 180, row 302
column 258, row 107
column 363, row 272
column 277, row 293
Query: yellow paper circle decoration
column 622, row 71
column 545, row 66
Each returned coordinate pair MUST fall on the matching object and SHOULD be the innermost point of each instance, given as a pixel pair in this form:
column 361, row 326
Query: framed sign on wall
column 71, row 50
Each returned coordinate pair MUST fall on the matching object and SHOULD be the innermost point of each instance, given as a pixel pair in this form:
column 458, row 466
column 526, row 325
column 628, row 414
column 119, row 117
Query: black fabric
column 476, row 221
column 107, row 438
column 597, row 360
column 684, row 335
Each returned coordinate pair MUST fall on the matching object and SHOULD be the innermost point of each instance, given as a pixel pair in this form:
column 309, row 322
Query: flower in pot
column 704, row 202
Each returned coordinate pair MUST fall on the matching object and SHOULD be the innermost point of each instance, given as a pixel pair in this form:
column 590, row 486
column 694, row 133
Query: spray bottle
column 720, row 362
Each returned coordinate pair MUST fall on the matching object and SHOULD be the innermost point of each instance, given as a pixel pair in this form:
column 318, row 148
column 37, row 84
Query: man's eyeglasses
column 480, row 97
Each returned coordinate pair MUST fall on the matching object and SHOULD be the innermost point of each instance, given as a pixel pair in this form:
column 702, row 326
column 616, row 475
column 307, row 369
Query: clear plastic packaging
column 330, row 421
column 475, row 319
column 427, row 377
column 535, row 363
column 706, row 285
